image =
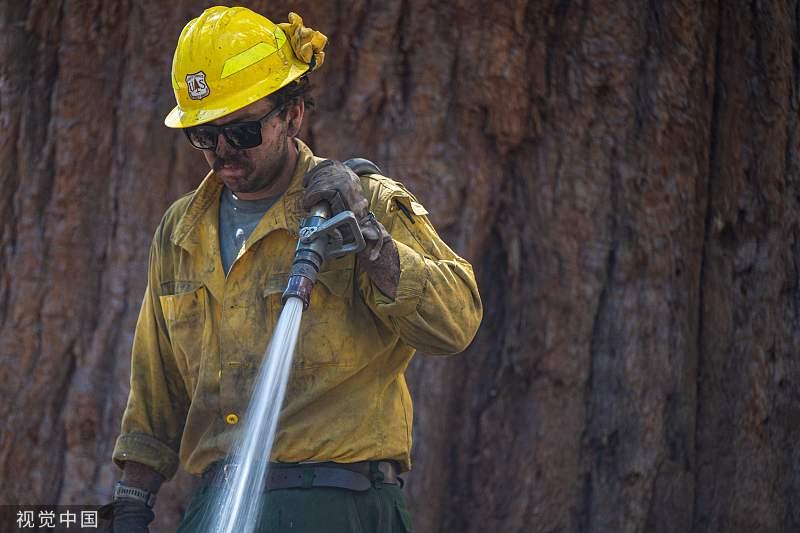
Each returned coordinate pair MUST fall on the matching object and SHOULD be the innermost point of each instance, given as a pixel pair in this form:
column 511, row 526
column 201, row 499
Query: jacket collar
column 203, row 208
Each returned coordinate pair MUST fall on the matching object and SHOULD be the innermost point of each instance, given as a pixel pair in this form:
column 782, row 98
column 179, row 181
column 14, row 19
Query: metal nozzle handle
column 321, row 237
column 332, row 229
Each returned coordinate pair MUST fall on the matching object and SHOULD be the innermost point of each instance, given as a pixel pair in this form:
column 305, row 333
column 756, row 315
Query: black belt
column 359, row 476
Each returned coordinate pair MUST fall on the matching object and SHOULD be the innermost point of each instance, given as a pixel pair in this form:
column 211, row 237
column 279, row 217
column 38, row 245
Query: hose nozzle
column 320, row 237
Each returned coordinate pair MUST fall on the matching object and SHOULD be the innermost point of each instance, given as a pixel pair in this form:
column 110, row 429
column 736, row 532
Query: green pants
column 381, row 509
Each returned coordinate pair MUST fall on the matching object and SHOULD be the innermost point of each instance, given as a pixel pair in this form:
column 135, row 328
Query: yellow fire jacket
column 201, row 335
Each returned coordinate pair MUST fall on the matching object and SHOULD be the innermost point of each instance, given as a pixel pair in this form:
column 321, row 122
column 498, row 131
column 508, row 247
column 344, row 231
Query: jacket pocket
column 326, row 329
column 326, row 332
column 185, row 305
column 185, row 316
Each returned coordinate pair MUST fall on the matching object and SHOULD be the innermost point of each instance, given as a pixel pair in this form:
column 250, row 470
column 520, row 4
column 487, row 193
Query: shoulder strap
column 362, row 166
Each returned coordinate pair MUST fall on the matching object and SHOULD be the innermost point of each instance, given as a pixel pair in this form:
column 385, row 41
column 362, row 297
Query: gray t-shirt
column 237, row 220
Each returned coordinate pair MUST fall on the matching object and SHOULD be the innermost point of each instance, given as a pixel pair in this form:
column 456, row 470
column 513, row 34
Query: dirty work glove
column 127, row 516
column 333, row 182
column 336, row 184
column 375, row 236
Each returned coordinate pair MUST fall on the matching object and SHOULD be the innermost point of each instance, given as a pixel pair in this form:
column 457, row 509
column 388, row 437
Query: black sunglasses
column 240, row 135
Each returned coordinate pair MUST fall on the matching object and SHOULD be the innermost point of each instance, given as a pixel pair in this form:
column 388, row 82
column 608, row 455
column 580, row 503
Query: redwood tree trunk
column 623, row 176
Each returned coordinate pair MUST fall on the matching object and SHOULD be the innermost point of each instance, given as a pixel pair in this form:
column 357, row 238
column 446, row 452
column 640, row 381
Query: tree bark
column 623, row 176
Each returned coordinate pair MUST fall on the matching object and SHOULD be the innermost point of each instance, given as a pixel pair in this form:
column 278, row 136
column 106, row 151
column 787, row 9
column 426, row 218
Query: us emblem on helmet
column 198, row 88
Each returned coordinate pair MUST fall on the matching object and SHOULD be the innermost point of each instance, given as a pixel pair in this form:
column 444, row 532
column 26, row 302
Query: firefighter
column 218, row 264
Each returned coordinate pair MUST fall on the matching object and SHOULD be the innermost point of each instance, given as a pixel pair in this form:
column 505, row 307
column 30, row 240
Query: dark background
column 623, row 175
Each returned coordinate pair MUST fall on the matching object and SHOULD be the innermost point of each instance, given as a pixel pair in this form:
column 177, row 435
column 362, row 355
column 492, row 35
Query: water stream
column 238, row 505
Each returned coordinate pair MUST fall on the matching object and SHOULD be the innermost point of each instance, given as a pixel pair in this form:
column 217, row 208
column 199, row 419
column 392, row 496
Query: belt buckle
column 385, row 469
column 228, row 470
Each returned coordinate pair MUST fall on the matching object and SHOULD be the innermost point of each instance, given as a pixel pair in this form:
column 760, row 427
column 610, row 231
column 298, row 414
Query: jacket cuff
column 414, row 277
column 147, row 450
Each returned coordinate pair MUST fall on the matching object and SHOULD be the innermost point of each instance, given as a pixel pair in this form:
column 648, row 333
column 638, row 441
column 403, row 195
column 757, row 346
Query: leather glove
column 127, row 516
column 306, row 43
column 333, row 182
column 375, row 236
column 336, row 184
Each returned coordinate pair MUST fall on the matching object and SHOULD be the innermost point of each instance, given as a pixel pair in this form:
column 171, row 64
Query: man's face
column 257, row 169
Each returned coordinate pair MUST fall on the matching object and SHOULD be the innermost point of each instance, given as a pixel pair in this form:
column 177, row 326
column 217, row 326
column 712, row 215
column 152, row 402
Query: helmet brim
column 180, row 118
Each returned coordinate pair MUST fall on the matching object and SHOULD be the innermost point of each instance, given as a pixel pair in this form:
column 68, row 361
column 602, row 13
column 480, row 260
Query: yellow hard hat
column 230, row 57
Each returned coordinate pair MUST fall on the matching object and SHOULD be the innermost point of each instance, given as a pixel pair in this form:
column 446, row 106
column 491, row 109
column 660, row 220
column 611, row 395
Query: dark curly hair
column 300, row 89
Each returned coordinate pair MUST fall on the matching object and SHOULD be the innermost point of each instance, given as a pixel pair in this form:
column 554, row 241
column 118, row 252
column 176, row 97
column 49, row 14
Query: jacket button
column 231, row 418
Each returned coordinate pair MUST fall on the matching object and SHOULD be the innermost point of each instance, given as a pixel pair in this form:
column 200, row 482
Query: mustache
column 220, row 162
